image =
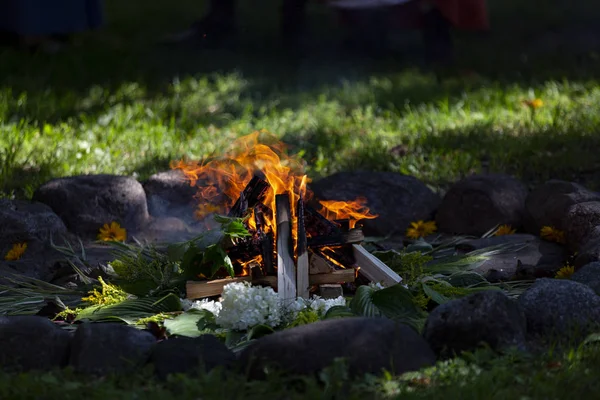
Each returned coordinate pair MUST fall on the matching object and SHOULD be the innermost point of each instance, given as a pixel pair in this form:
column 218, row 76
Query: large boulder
column 30, row 222
column 579, row 221
column 397, row 199
column 166, row 230
column 477, row 203
column 368, row 345
column 560, row 308
column 170, row 194
column 589, row 275
column 527, row 257
column 32, row 343
column 110, row 348
column 184, row 355
column 547, row 204
column 87, row 202
column 464, row 324
column 589, row 251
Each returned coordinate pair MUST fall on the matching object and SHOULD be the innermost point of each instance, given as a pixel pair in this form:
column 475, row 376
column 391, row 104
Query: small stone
column 110, row 348
column 589, row 251
column 87, row 202
column 397, row 199
column 464, row 324
column 589, row 275
column 331, row 291
column 560, row 308
column 369, row 345
column 32, row 343
column 184, row 355
column 478, row 203
column 546, row 204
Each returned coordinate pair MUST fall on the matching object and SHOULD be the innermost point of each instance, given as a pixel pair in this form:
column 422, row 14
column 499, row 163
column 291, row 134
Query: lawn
column 119, row 102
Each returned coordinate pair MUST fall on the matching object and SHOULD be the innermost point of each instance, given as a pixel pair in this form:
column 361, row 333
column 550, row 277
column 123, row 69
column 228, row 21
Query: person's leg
column 293, row 20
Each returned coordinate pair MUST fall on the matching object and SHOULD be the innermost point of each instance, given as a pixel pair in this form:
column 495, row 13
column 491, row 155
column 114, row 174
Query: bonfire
column 296, row 242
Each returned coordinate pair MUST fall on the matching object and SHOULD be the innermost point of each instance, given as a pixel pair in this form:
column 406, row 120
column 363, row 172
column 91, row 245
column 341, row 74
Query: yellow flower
column 565, row 272
column 533, row 104
column 16, row 252
column 552, row 234
column 504, row 230
column 420, row 229
column 112, row 232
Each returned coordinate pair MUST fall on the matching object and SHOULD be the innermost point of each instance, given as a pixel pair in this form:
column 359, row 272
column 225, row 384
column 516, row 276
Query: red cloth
column 462, row 14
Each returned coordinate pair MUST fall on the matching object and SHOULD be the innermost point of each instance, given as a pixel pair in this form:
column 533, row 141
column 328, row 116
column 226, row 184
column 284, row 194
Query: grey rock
column 368, row 345
column 546, row 204
column 560, row 308
column 87, row 202
column 589, row 251
column 579, row 222
column 397, row 199
column 476, row 204
column 589, row 275
column 110, row 348
column 32, row 343
column 31, row 222
column 532, row 257
column 166, row 230
column 464, row 324
column 170, row 194
column 184, row 355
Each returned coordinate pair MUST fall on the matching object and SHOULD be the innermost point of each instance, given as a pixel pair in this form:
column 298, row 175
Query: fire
column 350, row 210
column 220, row 181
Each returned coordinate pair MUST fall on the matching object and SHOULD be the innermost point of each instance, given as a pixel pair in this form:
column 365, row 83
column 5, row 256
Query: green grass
column 121, row 103
column 479, row 375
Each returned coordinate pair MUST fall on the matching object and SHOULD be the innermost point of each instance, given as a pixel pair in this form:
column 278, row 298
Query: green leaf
column 465, row 278
column 339, row 312
column 192, row 323
column 131, row 310
column 191, row 263
column 396, row 302
column 138, row 288
column 362, row 302
column 420, row 245
column 258, row 331
column 176, row 252
column 216, row 258
column 434, row 295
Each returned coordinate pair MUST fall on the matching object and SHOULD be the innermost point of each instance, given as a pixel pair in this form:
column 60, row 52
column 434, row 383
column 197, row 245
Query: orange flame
column 220, row 180
column 351, row 210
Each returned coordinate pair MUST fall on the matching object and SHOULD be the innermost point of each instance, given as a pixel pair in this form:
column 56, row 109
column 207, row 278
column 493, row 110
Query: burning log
column 373, row 268
column 286, row 270
column 352, row 236
column 199, row 290
column 253, row 193
column 302, row 254
column 319, row 265
column 265, row 240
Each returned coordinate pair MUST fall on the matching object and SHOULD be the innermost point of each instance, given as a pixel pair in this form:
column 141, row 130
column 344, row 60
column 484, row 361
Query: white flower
column 321, row 306
column 376, row 285
column 244, row 306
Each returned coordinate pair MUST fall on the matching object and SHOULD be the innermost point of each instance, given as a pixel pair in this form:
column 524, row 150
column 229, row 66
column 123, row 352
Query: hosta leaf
column 192, row 323
column 396, row 302
column 259, row 331
column 131, row 310
column 434, row 295
column 339, row 312
column 362, row 302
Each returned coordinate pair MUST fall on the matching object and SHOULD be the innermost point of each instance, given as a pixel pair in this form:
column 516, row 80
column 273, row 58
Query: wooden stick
column 252, row 194
column 201, row 289
column 266, row 241
column 286, row 269
column 302, row 267
column 350, row 237
column 319, row 265
column 373, row 268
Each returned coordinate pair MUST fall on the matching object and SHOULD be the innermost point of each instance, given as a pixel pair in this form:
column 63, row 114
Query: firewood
column 352, row 236
column 302, row 267
column 317, row 225
column 286, row 269
column 253, row 193
column 265, row 240
column 201, row 289
column 331, row 291
column 319, row 265
column 373, row 268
